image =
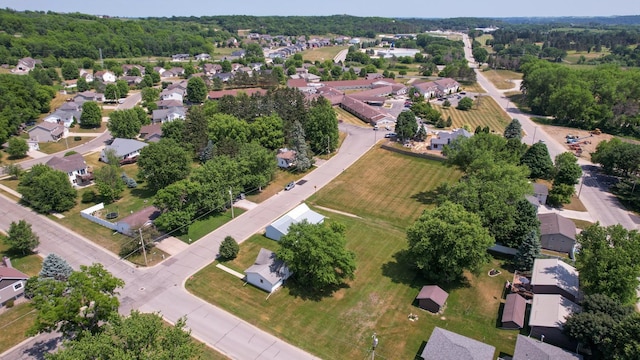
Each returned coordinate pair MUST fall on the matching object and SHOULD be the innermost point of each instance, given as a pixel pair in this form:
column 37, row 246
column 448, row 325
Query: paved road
column 341, row 56
column 601, row 204
column 161, row 288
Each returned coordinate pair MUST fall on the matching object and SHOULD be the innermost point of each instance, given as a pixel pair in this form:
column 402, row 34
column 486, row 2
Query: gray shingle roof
column 269, row 267
column 531, row 349
column 447, row 345
column 124, row 147
column 553, row 223
column 67, row 164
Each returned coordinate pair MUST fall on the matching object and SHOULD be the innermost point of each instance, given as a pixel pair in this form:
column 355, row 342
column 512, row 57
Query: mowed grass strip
column 488, row 113
column 14, row 324
column 323, row 53
column 379, row 299
column 503, row 79
column 385, row 185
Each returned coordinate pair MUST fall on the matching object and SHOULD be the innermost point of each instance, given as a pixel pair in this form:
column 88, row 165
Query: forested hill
column 39, row 35
column 570, row 20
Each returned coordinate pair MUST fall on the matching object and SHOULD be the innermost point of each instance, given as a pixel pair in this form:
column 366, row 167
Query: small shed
column 513, row 312
column 432, row 298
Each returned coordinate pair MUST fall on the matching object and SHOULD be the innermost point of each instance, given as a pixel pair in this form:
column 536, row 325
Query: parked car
column 290, row 186
column 390, row 135
column 375, row 127
column 463, row 93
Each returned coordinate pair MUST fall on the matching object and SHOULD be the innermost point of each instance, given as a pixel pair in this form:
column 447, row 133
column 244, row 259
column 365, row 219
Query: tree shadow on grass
column 306, row 293
column 426, row 197
column 400, row 271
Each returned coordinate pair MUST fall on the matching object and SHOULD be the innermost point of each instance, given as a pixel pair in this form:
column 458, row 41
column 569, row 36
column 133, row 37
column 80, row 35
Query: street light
column 534, row 135
column 231, row 202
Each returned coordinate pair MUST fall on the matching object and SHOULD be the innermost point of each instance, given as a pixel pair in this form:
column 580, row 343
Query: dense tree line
column 22, row 99
column 40, row 35
column 606, row 97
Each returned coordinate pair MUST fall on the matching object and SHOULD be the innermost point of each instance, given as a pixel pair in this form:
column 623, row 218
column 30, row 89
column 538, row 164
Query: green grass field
column 385, row 186
column 488, row 113
column 14, row 324
column 207, row 224
column 322, row 54
column 503, row 79
column 379, row 300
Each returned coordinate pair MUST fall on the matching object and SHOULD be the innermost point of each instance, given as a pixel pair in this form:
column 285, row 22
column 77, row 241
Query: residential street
column 161, row 288
column 602, row 205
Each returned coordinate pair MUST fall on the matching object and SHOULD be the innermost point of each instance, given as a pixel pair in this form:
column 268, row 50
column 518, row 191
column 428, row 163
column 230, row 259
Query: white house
column 105, row 76
column 286, row 158
column 170, row 114
column 12, row 282
column 173, row 94
column 280, row 227
column 63, row 117
column 445, row 138
column 268, row 272
column 123, row 149
column 202, row 57
column 74, row 166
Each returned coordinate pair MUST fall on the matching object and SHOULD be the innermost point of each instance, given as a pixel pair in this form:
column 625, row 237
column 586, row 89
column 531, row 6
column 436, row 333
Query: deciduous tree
column 163, row 163
column 136, row 337
column 447, row 240
column 465, row 104
column 322, row 128
column 45, row 189
column 196, row 90
column 109, row 183
column 21, row 238
column 607, row 262
column 124, row 124
column 82, row 303
column 18, row 147
column 406, row 125
column 91, row 116
column 317, row 255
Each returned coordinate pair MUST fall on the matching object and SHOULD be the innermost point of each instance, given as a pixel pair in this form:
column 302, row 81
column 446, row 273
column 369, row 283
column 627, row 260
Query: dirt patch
column 588, row 142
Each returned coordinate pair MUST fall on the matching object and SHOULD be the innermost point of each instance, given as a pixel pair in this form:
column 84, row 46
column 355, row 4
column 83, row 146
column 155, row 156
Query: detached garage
column 513, row 312
column 432, row 298
column 280, row 227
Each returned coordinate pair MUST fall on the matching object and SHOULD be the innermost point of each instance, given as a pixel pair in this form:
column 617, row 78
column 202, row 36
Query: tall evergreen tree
column 55, row 267
column 528, row 251
column 513, row 130
column 303, row 163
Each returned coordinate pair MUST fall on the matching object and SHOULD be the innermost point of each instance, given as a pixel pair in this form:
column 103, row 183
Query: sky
column 383, row 8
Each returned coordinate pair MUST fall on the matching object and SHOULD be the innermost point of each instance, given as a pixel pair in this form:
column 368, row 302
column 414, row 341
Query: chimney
column 6, row 261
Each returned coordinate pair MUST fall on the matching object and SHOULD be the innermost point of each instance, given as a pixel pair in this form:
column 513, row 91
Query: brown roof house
column 47, row 132
column 151, row 133
column 447, row 345
column 286, row 158
column 74, row 166
column 528, row 348
column 549, row 312
column 552, row 276
column 557, row 233
column 268, row 272
column 432, row 298
column 513, row 312
column 12, row 282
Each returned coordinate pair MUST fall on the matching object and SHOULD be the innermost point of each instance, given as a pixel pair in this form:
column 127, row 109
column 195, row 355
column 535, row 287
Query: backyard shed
column 432, row 298
column 513, row 312
column 280, row 227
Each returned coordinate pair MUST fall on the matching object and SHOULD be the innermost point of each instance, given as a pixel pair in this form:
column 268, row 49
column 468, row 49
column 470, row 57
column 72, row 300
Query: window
column 261, row 281
column 17, row 286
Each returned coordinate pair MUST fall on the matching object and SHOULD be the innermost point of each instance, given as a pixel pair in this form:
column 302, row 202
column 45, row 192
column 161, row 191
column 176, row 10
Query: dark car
column 290, row 186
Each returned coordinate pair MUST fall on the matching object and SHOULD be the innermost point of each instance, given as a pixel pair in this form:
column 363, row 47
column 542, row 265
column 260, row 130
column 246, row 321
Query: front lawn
column 14, row 324
column 29, row 264
column 207, row 224
column 379, row 300
column 64, row 144
column 386, row 186
column 485, row 112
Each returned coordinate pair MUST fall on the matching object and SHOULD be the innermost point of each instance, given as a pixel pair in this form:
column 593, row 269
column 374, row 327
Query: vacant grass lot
column 322, row 54
column 378, row 300
column 488, row 113
column 503, row 79
column 385, row 186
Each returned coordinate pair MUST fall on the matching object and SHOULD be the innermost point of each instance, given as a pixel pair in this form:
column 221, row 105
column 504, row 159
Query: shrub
column 69, row 153
column 77, row 138
column 88, row 197
column 229, row 248
column 9, row 303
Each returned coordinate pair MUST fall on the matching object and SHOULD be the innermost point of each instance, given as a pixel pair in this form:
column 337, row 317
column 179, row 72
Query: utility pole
column 374, row 344
column 581, row 183
column 534, row 136
column 328, row 145
column 144, row 250
column 231, row 202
